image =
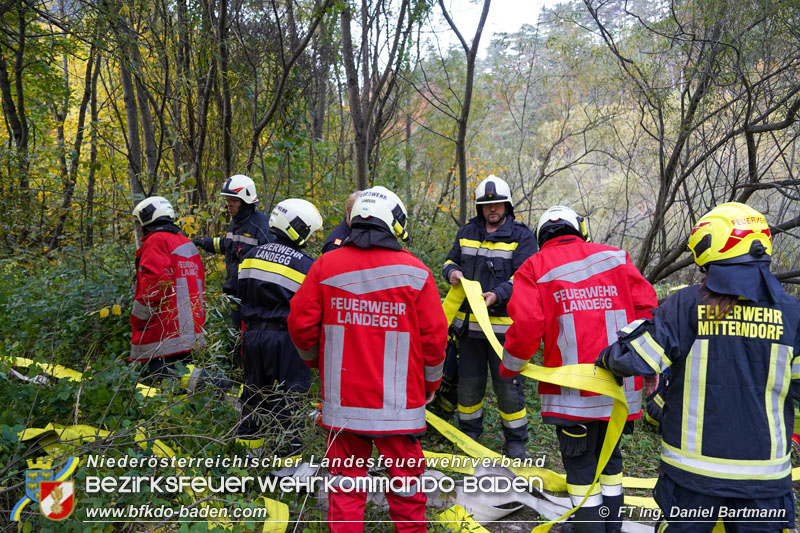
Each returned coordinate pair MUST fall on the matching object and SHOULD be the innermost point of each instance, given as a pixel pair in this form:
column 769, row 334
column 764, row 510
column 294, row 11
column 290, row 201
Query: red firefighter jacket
column 372, row 321
column 169, row 308
column 576, row 295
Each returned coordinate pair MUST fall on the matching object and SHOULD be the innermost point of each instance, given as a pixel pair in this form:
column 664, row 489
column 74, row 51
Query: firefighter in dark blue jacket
column 732, row 345
column 248, row 228
column 340, row 233
column 489, row 249
column 274, row 374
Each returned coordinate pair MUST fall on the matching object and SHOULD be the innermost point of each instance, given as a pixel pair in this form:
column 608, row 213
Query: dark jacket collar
column 367, row 236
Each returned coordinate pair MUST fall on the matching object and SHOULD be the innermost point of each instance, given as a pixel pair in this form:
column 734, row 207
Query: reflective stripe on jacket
column 376, row 319
column 269, row 277
column 576, row 295
column 169, row 308
column 728, row 416
column 244, row 233
column 491, row 259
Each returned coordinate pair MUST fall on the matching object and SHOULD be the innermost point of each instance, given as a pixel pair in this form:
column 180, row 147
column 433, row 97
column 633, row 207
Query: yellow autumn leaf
column 104, row 312
column 41, row 196
column 116, row 309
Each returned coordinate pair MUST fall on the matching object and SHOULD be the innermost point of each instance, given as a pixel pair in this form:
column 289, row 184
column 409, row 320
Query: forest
column 640, row 115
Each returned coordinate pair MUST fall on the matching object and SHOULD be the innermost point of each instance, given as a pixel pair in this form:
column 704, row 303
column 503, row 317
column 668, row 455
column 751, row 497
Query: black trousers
column 275, row 379
column 581, row 467
column 475, row 355
column 685, row 510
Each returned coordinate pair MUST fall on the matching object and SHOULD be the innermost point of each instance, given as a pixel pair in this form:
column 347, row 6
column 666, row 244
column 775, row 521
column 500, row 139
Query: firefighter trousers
column 685, row 510
column 406, row 500
column 474, row 356
column 580, row 446
column 275, row 379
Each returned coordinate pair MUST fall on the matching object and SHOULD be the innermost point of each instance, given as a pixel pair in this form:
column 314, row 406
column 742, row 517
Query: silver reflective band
column 471, row 416
column 269, row 277
column 650, row 351
column 167, row 346
column 309, row 355
column 611, row 490
column 241, row 238
column 615, row 321
column 434, row 373
column 727, row 468
column 366, row 419
column 141, row 311
column 512, row 363
column 520, row 422
column 594, row 500
column 778, row 383
column 396, row 346
column 486, row 252
column 632, row 326
column 585, row 268
column 796, row 368
column 379, row 279
column 586, row 406
column 694, row 398
column 185, row 250
column 474, row 326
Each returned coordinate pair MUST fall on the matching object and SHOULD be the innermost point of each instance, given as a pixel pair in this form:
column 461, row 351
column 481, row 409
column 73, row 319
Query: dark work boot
column 515, row 449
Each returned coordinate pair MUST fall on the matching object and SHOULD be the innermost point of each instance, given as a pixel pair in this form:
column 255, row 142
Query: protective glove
column 572, row 440
column 198, row 241
column 603, row 358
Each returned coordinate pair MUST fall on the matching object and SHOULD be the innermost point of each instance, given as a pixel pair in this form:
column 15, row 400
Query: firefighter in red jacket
column 369, row 316
column 567, row 293
column 168, row 308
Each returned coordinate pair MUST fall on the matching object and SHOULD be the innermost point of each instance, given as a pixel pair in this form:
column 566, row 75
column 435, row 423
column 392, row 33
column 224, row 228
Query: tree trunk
column 471, row 52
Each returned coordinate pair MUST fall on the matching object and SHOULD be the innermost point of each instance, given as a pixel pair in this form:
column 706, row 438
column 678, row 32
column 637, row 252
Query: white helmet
column 384, row 205
column 562, row 216
column 492, row 190
column 151, row 209
column 295, row 218
column 242, row 187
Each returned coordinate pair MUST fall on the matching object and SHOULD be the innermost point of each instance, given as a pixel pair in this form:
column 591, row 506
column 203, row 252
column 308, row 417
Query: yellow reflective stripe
column 583, row 490
column 659, row 400
column 651, row 352
column 251, row 444
column 568, row 434
column 694, row 397
column 217, row 247
column 718, row 468
column 611, row 479
column 450, row 262
column 513, row 416
column 796, row 367
column 268, row 266
column 470, row 409
column 774, row 396
column 489, row 245
column 662, row 527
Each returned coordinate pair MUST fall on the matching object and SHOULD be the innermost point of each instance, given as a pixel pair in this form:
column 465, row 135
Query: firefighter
column 341, row 232
column 732, row 344
column 168, row 306
column 489, row 249
column 274, row 375
column 568, row 294
column 249, row 227
column 369, row 317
